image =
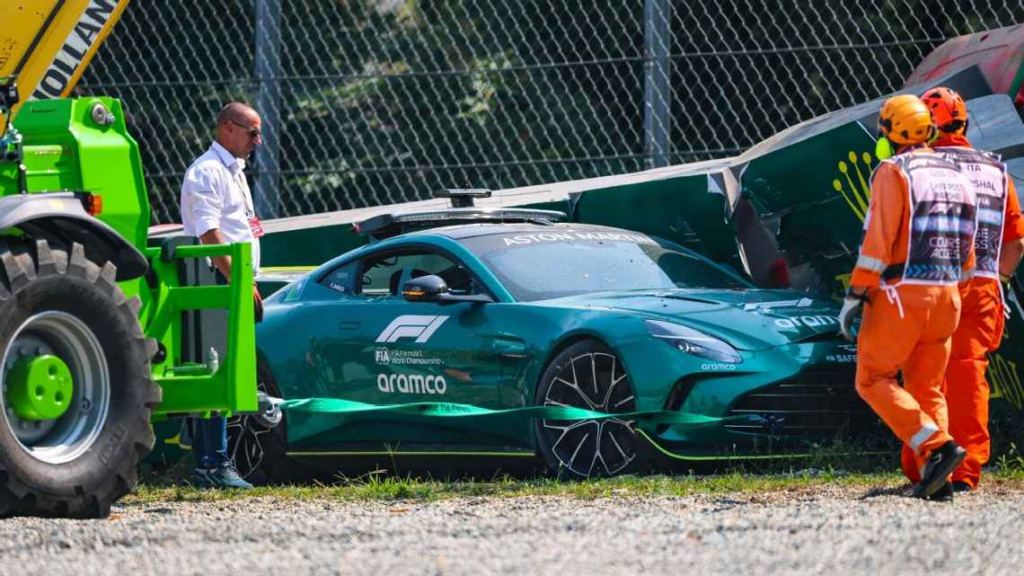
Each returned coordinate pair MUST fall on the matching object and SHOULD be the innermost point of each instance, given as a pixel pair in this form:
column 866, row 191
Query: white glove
column 851, row 305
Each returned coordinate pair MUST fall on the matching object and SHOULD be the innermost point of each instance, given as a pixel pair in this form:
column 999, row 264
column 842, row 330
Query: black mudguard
column 61, row 219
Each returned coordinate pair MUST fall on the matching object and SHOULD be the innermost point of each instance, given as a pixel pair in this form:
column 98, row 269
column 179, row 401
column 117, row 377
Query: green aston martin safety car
column 503, row 309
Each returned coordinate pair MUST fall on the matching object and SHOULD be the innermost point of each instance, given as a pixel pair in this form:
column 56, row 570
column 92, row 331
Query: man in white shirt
column 217, row 207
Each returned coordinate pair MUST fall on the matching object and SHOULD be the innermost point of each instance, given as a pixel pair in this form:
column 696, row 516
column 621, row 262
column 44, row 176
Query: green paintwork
column 807, row 189
column 419, row 453
column 322, row 415
column 65, row 149
column 39, row 387
column 309, row 246
column 805, row 192
column 743, row 457
column 232, row 388
column 656, row 208
column 322, row 343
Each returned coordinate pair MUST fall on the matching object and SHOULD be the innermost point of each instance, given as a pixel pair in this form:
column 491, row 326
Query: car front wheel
column 587, row 375
column 257, row 448
column 260, row 450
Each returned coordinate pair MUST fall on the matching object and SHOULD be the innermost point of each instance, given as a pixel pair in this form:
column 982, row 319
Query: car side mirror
column 424, row 289
column 434, row 289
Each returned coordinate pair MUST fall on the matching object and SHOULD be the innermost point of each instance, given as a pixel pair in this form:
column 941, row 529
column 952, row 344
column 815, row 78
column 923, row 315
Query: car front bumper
column 782, row 402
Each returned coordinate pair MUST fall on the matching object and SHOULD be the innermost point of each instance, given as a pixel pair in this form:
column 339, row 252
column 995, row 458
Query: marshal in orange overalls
column 981, row 317
column 918, row 240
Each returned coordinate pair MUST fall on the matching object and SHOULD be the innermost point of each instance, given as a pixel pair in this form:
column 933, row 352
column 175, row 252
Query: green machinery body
column 82, row 146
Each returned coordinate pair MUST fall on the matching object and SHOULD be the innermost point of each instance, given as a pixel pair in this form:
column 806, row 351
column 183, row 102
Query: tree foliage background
column 388, row 100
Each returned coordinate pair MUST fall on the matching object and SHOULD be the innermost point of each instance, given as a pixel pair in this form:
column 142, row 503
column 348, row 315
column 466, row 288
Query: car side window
column 343, row 279
column 383, row 276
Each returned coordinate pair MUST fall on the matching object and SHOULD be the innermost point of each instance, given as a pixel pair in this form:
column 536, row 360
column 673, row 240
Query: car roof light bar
column 462, row 197
column 387, row 225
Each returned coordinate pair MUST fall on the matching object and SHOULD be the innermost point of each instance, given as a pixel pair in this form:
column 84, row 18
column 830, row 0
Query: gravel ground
column 825, row 530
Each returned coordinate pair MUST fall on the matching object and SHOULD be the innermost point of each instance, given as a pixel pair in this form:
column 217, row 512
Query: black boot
column 940, row 465
column 961, row 486
column 943, row 494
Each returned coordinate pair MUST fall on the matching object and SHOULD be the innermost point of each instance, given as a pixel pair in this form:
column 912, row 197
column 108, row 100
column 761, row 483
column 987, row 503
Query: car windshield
column 567, row 262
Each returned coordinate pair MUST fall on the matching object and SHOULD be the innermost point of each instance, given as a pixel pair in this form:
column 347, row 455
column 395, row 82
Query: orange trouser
column 919, row 344
column 979, row 332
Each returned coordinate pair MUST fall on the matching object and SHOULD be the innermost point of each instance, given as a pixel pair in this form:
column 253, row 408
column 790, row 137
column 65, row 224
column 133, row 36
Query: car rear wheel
column 587, row 375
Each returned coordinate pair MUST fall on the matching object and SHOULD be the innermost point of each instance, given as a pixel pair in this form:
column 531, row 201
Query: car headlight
column 693, row 342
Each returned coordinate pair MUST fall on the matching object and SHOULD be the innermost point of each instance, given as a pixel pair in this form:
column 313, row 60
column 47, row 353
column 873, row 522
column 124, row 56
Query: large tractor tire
column 77, row 389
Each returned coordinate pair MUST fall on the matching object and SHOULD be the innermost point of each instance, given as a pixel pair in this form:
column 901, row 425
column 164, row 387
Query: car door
column 390, row 351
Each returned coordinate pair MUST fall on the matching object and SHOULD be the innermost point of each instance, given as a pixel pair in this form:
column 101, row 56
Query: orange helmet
column 905, row 120
column 948, row 109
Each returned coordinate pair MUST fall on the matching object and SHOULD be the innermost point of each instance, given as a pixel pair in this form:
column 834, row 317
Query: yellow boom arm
column 48, row 43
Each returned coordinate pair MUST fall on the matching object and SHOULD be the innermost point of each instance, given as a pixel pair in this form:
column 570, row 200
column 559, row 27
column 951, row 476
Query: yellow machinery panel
column 48, row 43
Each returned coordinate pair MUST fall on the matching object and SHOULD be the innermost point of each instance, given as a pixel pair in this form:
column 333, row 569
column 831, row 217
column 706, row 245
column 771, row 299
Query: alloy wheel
column 594, row 381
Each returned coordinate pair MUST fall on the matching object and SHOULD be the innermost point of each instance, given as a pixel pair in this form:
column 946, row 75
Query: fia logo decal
column 412, row 326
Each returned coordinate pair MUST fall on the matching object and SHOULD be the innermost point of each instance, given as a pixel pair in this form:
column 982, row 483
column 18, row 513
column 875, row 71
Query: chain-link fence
column 368, row 102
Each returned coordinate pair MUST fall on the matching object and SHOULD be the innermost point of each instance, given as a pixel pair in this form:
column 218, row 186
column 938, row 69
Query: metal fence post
column 657, row 95
column 268, row 104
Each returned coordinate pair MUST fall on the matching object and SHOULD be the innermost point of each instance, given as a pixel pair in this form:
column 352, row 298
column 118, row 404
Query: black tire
column 260, row 453
column 587, row 374
column 60, row 303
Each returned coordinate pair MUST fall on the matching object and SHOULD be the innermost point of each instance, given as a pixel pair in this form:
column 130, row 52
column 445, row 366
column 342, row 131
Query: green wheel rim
column 59, row 342
column 39, row 387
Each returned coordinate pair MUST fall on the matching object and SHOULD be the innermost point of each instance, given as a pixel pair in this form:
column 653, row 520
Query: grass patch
column 394, row 489
column 397, row 489
column 1011, row 464
column 831, row 466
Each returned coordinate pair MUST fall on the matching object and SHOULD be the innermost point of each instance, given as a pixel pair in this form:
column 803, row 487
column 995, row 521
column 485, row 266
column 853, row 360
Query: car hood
column 748, row 319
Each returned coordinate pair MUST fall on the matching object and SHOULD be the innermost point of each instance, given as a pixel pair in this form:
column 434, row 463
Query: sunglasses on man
column 253, row 132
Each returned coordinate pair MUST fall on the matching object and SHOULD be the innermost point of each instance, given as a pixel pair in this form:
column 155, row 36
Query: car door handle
column 508, row 347
column 348, row 325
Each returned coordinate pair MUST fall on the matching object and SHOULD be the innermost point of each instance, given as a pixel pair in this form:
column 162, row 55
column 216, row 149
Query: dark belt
column 893, row 271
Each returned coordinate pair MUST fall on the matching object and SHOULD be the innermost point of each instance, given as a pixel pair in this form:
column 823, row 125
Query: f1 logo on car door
column 412, row 326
